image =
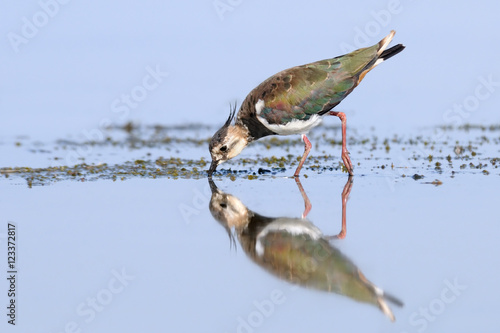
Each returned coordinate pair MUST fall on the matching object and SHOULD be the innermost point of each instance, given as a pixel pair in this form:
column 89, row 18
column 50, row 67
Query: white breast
column 293, row 127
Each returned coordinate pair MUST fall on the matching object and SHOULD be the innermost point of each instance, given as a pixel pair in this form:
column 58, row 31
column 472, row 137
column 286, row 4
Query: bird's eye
column 223, row 148
column 223, row 205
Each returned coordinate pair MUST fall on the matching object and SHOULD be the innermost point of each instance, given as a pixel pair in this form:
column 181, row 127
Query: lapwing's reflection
column 295, row 250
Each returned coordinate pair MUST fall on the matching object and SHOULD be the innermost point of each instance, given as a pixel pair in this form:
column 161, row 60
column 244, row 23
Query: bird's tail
column 382, row 54
column 392, row 51
column 382, row 297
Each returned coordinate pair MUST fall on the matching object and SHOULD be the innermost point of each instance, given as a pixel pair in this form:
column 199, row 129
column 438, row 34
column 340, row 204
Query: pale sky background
column 66, row 75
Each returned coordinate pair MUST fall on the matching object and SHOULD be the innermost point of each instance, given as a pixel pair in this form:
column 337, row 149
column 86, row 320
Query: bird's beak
column 213, row 187
column 213, row 166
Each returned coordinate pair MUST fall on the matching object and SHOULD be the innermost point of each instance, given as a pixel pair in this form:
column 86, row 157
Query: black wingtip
column 391, row 52
column 393, row 299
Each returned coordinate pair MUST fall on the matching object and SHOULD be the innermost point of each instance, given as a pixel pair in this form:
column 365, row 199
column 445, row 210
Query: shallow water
column 131, row 245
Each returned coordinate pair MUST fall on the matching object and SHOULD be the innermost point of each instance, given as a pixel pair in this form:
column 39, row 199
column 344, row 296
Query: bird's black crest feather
column 232, row 113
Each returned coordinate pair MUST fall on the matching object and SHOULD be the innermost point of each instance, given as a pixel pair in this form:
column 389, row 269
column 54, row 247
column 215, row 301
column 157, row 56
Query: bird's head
column 229, row 211
column 227, row 142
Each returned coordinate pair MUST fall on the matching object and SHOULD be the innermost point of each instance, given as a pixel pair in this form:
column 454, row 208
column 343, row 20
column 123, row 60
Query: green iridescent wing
column 315, row 88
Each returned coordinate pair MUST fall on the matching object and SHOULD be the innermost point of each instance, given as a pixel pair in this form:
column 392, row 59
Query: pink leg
column 307, row 203
column 345, row 153
column 307, row 148
column 345, row 197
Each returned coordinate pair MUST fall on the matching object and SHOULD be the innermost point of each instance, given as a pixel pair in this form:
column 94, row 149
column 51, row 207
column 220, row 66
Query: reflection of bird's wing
column 288, row 225
column 382, row 297
column 295, row 250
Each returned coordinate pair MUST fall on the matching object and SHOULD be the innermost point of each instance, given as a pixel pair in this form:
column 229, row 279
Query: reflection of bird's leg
column 345, row 197
column 307, row 203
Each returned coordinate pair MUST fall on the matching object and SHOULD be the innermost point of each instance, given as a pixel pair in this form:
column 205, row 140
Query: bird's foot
column 341, row 235
column 347, row 162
